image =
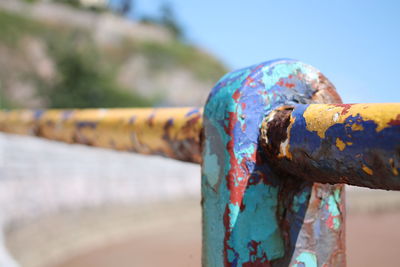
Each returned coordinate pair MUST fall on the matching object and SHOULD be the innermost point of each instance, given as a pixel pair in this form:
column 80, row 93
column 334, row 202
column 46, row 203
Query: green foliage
column 32, row 1
column 5, row 103
column 87, row 75
column 12, row 27
column 179, row 54
column 84, row 83
column 168, row 20
column 74, row 3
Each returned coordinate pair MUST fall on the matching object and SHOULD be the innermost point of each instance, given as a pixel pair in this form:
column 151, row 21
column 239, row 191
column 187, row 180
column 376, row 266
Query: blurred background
column 73, row 206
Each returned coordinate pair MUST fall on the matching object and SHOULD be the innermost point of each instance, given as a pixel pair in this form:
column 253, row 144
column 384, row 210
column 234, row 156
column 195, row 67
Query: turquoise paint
column 217, row 110
column 212, row 172
column 336, row 195
column 241, row 205
column 306, row 259
column 300, row 200
column 233, row 214
column 261, row 205
column 332, row 206
column 281, row 71
column 334, row 212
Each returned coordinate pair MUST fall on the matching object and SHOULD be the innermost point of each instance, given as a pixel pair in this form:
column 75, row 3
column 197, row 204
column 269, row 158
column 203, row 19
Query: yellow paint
column 357, row 127
column 367, row 170
column 320, row 117
column 284, row 149
column 114, row 128
column 340, row 144
column 394, row 169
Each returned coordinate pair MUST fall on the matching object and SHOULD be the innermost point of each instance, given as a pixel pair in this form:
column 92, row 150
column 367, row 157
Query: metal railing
column 273, row 160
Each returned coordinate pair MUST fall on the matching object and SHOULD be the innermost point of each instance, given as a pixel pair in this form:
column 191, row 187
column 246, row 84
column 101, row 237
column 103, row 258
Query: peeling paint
column 340, row 144
column 360, row 146
column 371, row 112
column 253, row 216
column 306, row 259
column 366, row 169
column 263, row 156
column 172, row 132
column 392, row 165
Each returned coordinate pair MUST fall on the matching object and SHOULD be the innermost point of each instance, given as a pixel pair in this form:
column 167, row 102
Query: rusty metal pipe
column 170, row 132
column 357, row 144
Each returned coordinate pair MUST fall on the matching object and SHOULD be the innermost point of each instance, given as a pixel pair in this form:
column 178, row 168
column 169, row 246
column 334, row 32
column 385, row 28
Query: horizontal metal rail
column 355, row 144
column 170, row 132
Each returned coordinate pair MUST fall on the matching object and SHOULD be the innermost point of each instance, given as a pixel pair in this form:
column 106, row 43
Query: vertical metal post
column 253, row 215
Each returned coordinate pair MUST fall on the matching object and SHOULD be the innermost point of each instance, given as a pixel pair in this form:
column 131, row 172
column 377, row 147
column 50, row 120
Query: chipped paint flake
column 355, row 150
column 340, row 144
column 171, row 132
column 306, row 259
column 366, row 169
column 382, row 114
column 244, row 222
column 394, row 169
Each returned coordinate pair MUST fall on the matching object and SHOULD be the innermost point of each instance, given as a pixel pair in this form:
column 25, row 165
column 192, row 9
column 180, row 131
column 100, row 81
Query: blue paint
column 37, row 114
column 240, row 206
column 359, row 151
column 86, row 124
column 192, row 111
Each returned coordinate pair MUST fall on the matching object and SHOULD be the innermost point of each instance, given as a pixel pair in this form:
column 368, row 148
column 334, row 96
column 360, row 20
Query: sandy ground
column 74, row 206
column 177, row 246
column 372, row 240
column 173, row 238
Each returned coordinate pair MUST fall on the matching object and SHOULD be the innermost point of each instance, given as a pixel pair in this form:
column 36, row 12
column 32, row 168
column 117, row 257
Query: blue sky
column 356, row 44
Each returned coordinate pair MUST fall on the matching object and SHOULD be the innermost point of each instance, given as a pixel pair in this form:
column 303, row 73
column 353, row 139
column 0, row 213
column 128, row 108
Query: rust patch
column 325, row 91
column 276, row 129
column 395, row 122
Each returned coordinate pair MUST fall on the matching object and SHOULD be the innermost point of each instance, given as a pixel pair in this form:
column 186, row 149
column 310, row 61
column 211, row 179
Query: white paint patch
column 102, row 112
column 283, row 147
column 336, row 117
column 271, row 116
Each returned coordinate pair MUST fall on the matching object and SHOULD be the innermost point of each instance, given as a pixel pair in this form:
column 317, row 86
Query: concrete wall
column 40, row 177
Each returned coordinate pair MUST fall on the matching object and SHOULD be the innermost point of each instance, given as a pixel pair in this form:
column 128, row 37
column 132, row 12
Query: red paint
column 280, row 82
column 235, row 186
column 290, row 85
column 395, row 122
column 249, row 81
column 150, row 120
column 236, row 95
column 259, row 262
column 227, row 236
column 329, row 222
column 236, row 171
column 345, row 107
